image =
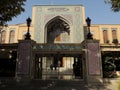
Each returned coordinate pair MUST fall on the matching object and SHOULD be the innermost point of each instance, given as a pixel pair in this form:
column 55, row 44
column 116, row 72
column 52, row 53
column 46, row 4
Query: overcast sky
column 97, row 10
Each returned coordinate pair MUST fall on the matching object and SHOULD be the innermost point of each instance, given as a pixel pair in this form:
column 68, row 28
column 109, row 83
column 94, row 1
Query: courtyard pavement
column 43, row 85
column 111, row 84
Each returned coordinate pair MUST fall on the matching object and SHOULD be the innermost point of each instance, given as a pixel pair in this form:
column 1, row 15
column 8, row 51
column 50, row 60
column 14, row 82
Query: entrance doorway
column 64, row 67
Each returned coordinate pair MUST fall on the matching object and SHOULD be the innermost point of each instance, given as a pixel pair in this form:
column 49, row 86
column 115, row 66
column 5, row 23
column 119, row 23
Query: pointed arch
column 55, row 27
column 57, row 17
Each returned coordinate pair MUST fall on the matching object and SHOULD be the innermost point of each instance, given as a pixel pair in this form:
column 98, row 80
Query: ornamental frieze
column 68, row 17
column 53, row 47
column 58, row 9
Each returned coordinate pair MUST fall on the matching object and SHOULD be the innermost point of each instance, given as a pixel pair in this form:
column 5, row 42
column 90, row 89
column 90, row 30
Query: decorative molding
column 68, row 17
column 113, row 28
column 48, row 17
column 57, row 47
column 12, row 29
column 39, row 9
column 77, row 9
column 58, row 9
column 104, row 28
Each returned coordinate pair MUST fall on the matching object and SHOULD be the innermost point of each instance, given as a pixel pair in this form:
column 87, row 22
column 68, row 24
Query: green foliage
column 108, row 67
column 115, row 4
column 10, row 9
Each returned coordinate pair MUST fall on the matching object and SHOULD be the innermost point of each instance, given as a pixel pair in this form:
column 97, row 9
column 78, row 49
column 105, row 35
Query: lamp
column 89, row 35
column 28, row 32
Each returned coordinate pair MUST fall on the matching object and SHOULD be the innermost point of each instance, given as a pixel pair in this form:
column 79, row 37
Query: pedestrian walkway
column 43, row 85
column 69, row 85
column 108, row 84
column 112, row 83
column 57, row 85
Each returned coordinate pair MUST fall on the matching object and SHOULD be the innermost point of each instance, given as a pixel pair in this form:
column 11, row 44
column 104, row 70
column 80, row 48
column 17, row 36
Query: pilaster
column 24, row 62
column 93, row 62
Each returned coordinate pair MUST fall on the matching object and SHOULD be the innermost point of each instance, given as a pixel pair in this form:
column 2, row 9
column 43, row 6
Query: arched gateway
column 60, row 50
column 58, row 59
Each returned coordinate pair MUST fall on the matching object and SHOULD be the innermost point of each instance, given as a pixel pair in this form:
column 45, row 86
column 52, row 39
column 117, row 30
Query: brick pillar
column 24, row 61
column 93, row 62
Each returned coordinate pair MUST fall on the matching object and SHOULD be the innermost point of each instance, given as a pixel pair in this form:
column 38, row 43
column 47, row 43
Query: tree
column 10, row 9
column 115, row 4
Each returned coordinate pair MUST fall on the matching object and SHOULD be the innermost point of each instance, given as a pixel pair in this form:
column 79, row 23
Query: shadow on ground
column 54, row 85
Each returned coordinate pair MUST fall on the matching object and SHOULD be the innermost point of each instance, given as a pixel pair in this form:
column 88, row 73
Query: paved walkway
column 112, row 84
column 43, row 85
column 109, row 84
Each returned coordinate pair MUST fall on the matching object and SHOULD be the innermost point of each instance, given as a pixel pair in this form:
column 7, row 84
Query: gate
column 58, row 63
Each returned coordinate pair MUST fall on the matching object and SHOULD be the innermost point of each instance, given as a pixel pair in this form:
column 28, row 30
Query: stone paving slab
column 43, row 85
column 57, row 85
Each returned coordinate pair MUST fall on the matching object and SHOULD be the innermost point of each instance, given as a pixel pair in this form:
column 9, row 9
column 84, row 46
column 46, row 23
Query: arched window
column 105, row 36
column 114, row 34
column 3, row 36
column 12, row 36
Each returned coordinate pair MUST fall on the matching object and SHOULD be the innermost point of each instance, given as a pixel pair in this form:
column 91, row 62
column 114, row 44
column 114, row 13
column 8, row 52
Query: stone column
column 24, row 62
column 93, row 62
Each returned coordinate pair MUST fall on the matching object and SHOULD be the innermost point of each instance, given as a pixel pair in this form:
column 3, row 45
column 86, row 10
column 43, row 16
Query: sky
column 97, row 10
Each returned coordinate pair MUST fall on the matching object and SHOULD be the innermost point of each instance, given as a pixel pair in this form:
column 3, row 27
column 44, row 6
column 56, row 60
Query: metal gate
column 58, row 61
column 54, row 67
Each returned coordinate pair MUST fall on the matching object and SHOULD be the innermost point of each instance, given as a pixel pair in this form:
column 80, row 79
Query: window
column 105, row 36
column 114, row 34
column 12, row 36
column 3, row 35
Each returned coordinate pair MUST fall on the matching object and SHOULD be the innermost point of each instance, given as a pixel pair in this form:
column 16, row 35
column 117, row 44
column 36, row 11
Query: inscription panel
column 54, row 47
column 58, row 9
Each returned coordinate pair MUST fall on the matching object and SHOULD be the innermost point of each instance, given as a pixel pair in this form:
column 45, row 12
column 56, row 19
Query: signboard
column 48, row 47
